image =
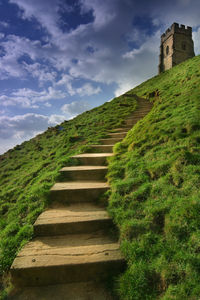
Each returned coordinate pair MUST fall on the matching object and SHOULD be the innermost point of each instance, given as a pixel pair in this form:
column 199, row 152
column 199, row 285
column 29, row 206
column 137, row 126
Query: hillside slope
column 154, row 178
column 155, row 198
column 28, row 171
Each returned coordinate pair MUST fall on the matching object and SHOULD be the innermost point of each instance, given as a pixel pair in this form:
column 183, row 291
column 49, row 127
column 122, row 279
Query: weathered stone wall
column 168, row 53
column 183, row 48
column 176, row 46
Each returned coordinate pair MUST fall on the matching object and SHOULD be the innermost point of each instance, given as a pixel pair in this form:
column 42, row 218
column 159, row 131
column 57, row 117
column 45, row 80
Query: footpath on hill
column 28, row 171
column 75, row 244
column 153, row 177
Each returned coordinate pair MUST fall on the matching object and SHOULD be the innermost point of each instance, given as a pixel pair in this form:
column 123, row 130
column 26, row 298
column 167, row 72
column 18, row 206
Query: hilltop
column 154, row 178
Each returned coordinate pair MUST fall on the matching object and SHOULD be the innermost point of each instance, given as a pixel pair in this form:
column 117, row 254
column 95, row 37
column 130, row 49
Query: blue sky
column 59, row 58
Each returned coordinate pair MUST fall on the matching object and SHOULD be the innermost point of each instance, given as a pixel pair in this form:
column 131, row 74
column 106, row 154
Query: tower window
column 167, row 50
column 183, row 46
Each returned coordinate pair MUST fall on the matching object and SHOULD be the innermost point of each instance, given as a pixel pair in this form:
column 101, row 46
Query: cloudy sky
column 59, row 58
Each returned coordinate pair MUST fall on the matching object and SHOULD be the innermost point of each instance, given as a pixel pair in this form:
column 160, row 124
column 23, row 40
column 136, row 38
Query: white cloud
column 51, row 93
column 139, row 64
column 75, row 108
column 47, row 104
column 15, row 47
column 56, row 119
column 16, row 101
column 88, row 90
column 85, row 90
column 29, row 98
column 113, row 20
column 12, row 62
column 66, row 81
column 46, row 12
column 15, row 130
column 109, row 35
column 41, row 72
column 22, row 126
column 4, row 24
column 104, row 12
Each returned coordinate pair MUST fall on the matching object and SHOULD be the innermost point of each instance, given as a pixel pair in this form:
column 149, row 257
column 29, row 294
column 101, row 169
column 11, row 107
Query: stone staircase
column 74, row 249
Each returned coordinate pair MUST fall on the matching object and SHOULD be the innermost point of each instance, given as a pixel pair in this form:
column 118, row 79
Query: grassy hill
column 154, row 178
column 155, row 199
column 28, row 171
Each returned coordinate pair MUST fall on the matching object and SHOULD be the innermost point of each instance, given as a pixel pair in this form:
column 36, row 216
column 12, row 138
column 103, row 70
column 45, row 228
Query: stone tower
column 176, row 46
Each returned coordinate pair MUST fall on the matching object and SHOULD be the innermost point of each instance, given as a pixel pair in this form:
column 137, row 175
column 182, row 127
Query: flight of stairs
column 74, row 248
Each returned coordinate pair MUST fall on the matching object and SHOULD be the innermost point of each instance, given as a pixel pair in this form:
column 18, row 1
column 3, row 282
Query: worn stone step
column 122, row 129
column 78, row 191
column 93, row 159
column 144, row 103
column 110, row 141
column 68, row 258
column 76, row 218
column 84, row 173
column 138, row 115
column 132, row 122
column 142, row 112
column 142, row 107
column 88, row 290
column 102, row 148
column 135, row 120
column 118, row 134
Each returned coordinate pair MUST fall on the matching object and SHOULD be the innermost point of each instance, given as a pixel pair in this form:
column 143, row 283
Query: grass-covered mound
column 28, row 171
column 155, row 198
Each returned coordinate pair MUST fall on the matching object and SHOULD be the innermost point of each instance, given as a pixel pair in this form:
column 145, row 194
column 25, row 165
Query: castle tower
column 176, row 46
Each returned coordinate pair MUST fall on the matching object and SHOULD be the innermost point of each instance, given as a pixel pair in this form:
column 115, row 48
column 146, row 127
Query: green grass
column 155, row 197
column 28, row 171
column 154, row 178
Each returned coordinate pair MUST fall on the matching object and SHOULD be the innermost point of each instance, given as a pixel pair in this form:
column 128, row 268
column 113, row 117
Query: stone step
column 68, row 258
column 143, row 112
column 118, row 134
column 69, row 291
column 143, row 108
column 93, row 159
column 138, row 115
column 144, row 103
column 76, row 218
column 122, row 129
column 102, row 148
column 84, row 173
column 110, row 141
column 78, row 191
column 72, row 244
column 134, row 121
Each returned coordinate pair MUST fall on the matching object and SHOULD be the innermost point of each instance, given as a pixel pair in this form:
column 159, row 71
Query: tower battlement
column 176, row 46
column 176, row 28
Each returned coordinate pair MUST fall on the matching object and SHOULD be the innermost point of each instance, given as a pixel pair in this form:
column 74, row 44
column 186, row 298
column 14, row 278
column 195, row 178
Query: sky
column 59, row 58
